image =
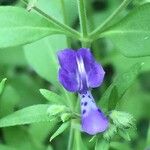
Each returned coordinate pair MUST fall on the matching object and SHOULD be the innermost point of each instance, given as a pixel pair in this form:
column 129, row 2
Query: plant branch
column 110, row 18
column 62, row 26
column 82, row 18
column 65, row 19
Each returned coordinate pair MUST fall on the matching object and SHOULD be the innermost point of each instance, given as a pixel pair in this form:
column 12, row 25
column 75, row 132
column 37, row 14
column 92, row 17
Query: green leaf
column 122, row 84
column 132, row 34
column 67, row 11
column 45, row 49
column 41, row 130
column 124, row 134
column 51, row 96
column 19, row 138
column 113, row 99
column 18, row 26
column 9, row 100
column 54, row 110
column 2, row 84
column 12, row 56
column 31, row 114
column 65, row 117
column 60, row 130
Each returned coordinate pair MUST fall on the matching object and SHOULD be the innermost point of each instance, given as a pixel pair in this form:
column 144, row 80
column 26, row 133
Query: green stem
column 86, row 44
column 65, row 19
column 71, row 134
column 82, row 18
column 64, row 27
column 78, row 139
column 110, row 18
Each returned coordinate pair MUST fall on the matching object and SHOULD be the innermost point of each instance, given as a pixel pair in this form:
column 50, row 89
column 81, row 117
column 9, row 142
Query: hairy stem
column 110, row 18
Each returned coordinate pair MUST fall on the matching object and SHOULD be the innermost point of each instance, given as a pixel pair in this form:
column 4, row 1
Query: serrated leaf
column 122, row 84
column 132, row 34
column 18, row 26
column 28, row 115
column 60, row 130
column 51, row 96
column 2, row 84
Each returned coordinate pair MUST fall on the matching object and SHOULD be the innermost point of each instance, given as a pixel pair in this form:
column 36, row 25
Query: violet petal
column 67, row 60
column 94, row 71
column 95, row 75
column 68, row 80
column 93, row 119
column 95, row 122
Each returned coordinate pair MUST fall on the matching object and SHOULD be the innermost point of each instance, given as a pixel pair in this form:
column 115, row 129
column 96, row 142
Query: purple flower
column 80, row 72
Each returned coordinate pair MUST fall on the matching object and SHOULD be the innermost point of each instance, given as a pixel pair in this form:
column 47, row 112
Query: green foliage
column 51, row 96
column 22, row 29
column 49, row 67
column 60, row 130
column 120, row 85
column 131, row 34
column 65, row 117
column 54, row 110
column 31, row 114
